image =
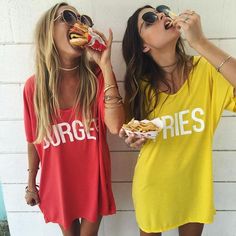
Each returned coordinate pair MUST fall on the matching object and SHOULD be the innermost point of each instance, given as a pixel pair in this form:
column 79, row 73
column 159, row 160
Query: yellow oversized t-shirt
column 173, row 182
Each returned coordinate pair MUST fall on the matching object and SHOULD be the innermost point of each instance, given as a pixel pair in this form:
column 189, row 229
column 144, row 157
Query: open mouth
column 75, row 33
column 77, row 39
column 78, row 36
column 75, row 36
column 168, row 24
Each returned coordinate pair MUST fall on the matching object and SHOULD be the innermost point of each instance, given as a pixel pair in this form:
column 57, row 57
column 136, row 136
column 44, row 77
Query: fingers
column 91, row 51
column 186, row 18
column 134, row 142
column 130, row 139
column 32, row 199
column 122, row 133
column 32, row 202
column 109, row 41
column 138, row 143
column 100, row 34
column 188, row 12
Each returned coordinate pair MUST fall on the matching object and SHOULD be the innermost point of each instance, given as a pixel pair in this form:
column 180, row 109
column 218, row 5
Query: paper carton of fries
column 144, row 128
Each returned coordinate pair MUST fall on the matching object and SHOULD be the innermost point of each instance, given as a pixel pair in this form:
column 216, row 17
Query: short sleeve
column 223, row 96
column 28, row 109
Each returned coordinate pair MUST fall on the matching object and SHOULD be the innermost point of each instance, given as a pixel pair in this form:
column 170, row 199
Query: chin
column 70, row 51
column 176, row 35
column 177, row 32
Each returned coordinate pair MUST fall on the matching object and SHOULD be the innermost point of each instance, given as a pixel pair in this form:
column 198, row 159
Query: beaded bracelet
column 33, row 170
column 222, row 63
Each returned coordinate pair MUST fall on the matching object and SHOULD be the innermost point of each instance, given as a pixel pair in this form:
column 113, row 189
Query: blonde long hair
column 46, row 98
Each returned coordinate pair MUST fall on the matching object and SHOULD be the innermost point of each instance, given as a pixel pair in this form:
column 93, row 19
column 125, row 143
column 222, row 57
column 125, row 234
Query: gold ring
column 185, row 20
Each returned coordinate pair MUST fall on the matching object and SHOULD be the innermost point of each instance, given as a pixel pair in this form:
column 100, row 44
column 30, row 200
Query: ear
column 146, row 49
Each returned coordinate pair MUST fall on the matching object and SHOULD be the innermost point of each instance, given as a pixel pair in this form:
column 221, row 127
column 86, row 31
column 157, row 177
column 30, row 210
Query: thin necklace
column 69, row 69
column 173, row 70
column 171, row 73
column 170, row 65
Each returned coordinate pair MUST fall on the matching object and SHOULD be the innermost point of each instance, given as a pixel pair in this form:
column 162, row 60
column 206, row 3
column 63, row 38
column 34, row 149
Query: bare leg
column 191, row 229
column 73, row 230
column 149, row 234
column 88, row 228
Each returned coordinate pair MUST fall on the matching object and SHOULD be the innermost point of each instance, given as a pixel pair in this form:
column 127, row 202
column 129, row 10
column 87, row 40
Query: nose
column 160, row 15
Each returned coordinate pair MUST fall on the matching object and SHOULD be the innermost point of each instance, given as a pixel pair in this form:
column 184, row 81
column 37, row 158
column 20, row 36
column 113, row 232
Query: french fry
column 144, row 128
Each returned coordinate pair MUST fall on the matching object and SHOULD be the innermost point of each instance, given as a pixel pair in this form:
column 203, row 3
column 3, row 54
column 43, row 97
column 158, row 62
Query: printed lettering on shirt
column 66, row 132
column 179, row 123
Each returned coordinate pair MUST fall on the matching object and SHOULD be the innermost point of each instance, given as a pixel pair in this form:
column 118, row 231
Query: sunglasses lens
column 162, row 8
column 86, row 20
column 69, row 17
column 150, row 17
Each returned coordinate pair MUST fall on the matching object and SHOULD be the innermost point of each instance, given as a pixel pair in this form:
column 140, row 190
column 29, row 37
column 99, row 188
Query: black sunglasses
column 70, row 18
column 151, row 17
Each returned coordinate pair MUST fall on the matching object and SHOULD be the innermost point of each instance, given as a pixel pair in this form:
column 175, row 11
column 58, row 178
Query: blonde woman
column 68, row 104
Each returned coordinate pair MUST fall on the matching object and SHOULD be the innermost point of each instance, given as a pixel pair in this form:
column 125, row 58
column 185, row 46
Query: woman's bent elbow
column 115, row 130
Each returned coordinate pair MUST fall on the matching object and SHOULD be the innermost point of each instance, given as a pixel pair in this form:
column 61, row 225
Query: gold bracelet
column 114, row 105
column 109, row 87
column 109, row 98
column 222, row 63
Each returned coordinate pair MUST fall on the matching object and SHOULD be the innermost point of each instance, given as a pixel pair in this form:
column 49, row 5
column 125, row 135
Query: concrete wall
column 17, row 21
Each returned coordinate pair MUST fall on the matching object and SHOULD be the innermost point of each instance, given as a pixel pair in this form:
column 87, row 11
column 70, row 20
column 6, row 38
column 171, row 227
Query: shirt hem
column 163, row 229
column 67, row 225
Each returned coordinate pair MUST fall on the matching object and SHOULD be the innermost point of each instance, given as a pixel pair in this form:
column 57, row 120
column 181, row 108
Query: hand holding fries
column 144, row 128
column 137, row 132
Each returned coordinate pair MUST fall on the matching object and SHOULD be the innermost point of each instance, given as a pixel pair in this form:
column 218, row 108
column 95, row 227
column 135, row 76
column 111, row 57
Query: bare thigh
column 74, row 229
column 191, row 229
column 149, row 234
column 88, row 228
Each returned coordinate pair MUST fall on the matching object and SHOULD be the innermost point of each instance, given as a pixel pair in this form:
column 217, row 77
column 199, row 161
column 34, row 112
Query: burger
column 78, row 35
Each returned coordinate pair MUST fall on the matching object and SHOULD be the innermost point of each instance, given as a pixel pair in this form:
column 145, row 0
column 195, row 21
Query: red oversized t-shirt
column 75, row 166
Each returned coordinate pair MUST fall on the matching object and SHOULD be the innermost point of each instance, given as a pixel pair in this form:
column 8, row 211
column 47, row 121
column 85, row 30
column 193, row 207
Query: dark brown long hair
column 140, row 101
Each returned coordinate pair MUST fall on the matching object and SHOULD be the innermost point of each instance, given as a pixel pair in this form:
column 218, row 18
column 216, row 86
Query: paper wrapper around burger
column 81, row 35
column 95, row 41
column 145, row 128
